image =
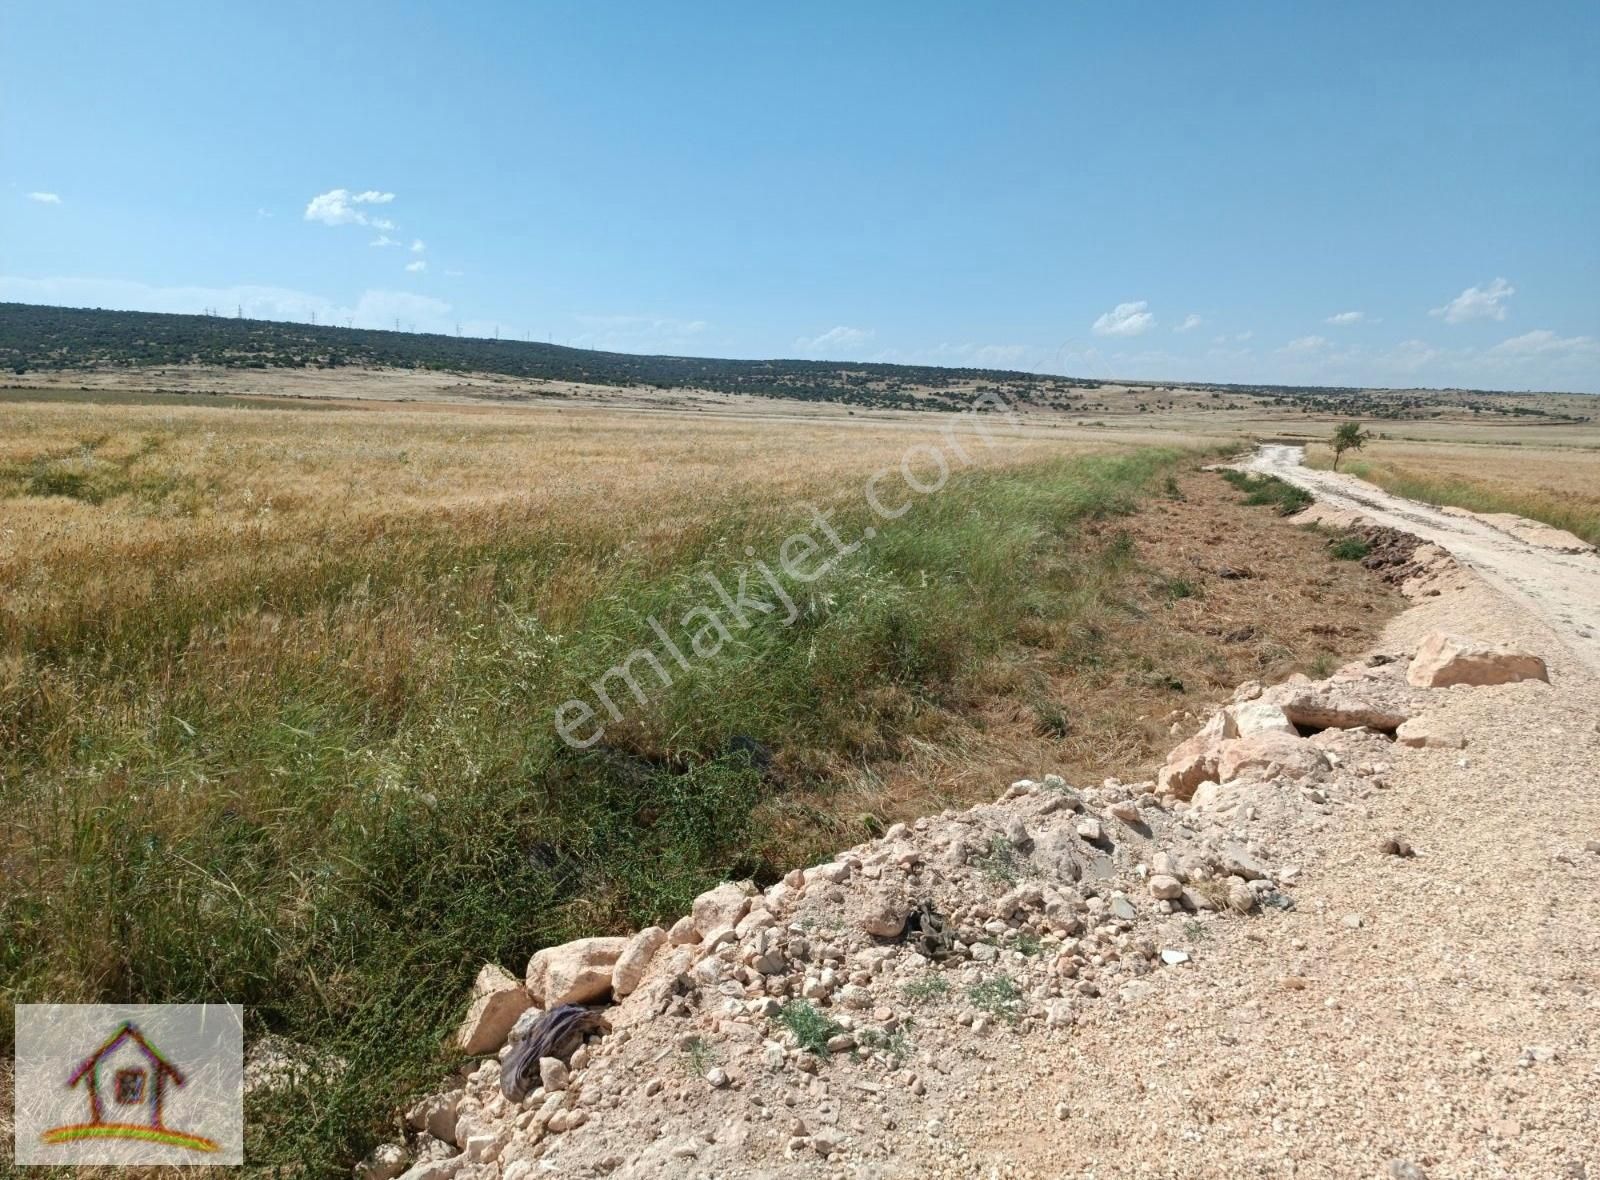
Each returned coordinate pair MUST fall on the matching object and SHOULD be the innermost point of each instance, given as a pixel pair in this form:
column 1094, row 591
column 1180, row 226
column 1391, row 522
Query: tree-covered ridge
column 36, row 338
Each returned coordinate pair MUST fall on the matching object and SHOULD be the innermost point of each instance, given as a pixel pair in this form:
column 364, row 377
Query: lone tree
column 1349, row 437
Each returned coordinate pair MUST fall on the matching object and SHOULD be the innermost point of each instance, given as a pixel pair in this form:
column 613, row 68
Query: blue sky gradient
column 1364, row 193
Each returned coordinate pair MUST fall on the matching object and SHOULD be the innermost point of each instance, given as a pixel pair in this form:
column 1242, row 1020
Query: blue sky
column 1373, row 193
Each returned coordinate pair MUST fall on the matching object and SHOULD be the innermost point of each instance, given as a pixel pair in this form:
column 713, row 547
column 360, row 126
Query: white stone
column 635, row 958
column 498, row 1001
column 576, row 972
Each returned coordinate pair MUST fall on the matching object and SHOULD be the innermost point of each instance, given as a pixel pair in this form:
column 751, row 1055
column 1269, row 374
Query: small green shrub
column 698, row 1056
column 1269, row 490
column 1179, row 587
column 927, row 989
column 811, row 1029
column 997, row 996
column 1001, row 862
column 1349, row 548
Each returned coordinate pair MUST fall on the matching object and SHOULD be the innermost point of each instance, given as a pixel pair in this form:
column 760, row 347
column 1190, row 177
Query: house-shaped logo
column 125, row 1081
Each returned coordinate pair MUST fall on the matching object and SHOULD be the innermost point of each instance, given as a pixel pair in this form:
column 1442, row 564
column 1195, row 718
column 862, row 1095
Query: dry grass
column 1557, row 485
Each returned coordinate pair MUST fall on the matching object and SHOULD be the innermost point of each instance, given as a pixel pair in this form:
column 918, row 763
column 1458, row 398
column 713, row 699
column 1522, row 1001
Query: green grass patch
column 1282, row 496
column 927, row 990
column 1000, row 862
column 998, row 996
column 1349, row 548
column 810, row 1028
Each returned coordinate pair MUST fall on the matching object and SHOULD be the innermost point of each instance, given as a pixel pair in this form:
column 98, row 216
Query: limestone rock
column 439, row 1169
column 575, row 972
column 1125, row 810
column 1241, row 898
column 1274, row 755
column 498, row 1000
column 553, row 1074
column 635, row 960
column 1165, row 888
column 884, row 918
column 384, row 1162
column 1326, row 706
column 1191, row 763
column 436, row 1115
column 1444, row 659
column 1017, row 834
column 722, row 906
column 1253, row 717
column 1420, row 732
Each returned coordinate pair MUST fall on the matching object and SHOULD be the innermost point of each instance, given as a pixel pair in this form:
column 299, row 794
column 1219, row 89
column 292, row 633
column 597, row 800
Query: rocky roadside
column 916, row 1006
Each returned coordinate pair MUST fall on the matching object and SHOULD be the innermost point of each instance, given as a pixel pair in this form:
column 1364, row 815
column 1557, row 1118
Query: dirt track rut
column 1558, row 586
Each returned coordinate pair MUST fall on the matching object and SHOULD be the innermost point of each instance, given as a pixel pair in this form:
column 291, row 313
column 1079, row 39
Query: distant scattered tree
column 1349, row 437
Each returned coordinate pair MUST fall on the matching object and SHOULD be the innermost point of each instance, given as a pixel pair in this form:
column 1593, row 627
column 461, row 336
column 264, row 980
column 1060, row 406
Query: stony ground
column 1248, row 982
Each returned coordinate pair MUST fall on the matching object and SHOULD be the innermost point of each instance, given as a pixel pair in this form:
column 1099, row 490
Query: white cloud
column 1543, row 342
column 383, row 240
column 1305, row 346
column 1347, row 317
column 373, row 309
column 339, row 207
column 1476, row 303
column 417, row 246
column 841, row 337
column 1126, row 319
column 1190, row 322
column 45, row 198
column 416, row 267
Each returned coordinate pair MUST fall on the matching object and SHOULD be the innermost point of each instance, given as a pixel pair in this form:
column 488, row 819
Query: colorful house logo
column 125, row 1081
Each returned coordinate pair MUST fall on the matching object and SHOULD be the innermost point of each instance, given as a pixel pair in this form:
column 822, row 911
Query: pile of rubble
column 845, row 1007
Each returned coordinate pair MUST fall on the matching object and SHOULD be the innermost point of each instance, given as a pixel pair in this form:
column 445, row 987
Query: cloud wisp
column 1477, row 303
column 340, row 206
column 1125, row 319
column 45, row 198
column 840, row 337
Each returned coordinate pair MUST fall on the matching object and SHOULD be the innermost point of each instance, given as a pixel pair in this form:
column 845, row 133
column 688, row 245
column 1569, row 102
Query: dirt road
column 1557, row 585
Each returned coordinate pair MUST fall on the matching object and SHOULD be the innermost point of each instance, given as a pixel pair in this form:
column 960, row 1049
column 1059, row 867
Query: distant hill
column 36, row 338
